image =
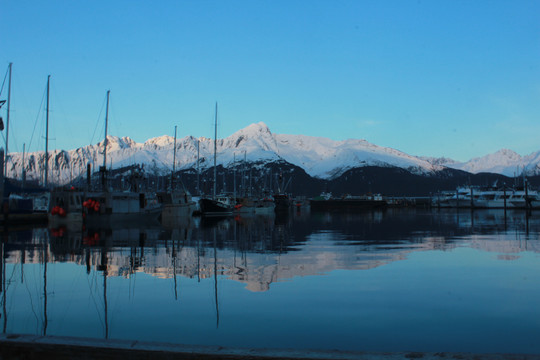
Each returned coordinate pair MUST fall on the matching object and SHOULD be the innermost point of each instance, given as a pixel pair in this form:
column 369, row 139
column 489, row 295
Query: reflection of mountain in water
column 261, row 250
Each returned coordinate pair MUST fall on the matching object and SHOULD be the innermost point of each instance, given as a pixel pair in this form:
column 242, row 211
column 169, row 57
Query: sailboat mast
column 215, row 151
column 23, row 173
column 174, row 160
column 47, row 134
column 7, row 119
column 106, row 125
column 198, row 171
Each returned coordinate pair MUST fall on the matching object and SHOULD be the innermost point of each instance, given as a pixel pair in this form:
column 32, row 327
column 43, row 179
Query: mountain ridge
column 320, row 157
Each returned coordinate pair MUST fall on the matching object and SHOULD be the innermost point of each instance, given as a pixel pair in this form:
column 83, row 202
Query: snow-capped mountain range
column 505, row 162
column 319, row 157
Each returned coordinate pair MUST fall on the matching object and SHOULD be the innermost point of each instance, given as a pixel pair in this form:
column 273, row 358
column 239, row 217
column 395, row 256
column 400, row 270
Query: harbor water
column 393, row 280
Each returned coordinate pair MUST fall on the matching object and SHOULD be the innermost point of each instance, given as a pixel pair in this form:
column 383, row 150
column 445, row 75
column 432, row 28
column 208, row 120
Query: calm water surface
column 399, row 280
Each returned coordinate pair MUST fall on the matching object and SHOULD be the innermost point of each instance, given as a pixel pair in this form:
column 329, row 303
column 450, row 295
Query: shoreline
column 14, row 346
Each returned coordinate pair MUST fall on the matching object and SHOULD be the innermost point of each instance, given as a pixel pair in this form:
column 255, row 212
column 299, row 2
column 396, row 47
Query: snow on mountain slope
column 325, row 158
column 319, row 157
column 504, row 161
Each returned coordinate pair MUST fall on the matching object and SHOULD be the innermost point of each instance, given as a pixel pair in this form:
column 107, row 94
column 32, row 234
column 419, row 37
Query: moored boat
column 176, row 204
column 348, row 203
column 65, row 208
column 219, row 206
column 282, row 202
column 489, row 198
column 107, row 208
column 216, row 205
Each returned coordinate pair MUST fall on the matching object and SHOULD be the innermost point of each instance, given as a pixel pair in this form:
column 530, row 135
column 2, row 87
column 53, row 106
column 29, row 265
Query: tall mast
column 47, row 134
column 215, row 151
column 174, row 160
column 106, row 125
column 23, row 173
column 198, row 171
column 7, row 119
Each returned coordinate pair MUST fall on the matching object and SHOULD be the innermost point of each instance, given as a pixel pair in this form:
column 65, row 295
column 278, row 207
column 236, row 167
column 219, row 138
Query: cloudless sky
column 451, row 78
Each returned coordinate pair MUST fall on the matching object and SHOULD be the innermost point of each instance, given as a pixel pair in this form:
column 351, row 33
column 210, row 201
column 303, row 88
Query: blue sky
column 438, row 78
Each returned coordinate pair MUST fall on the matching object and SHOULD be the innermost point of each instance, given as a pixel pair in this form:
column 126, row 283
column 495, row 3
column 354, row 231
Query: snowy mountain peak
column 505, row 155
column 254, row 136
column 160, row 141
column 319, row 157
column 442, row 161
column 252, row 132
column 256, row 129
column 115, row 143
column 504, row 161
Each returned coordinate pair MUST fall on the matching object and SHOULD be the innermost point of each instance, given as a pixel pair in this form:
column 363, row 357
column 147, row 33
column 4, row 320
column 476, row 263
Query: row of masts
column 103, row 169
column 46, row 170
column 8, row 110
column 47, row 111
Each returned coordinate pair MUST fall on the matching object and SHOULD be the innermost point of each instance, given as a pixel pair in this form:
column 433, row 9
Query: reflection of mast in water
column 215, row 280
column 174, row 267
column 104, row 268
column 3, row 274
column 198, row 259
column 527, row 213
column 45, row 261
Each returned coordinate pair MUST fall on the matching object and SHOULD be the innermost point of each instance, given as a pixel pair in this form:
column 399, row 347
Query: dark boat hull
column 282, row 202
column 210, row 207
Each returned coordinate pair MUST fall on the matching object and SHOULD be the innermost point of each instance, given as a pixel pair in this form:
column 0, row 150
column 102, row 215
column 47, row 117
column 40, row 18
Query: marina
column 374, row 191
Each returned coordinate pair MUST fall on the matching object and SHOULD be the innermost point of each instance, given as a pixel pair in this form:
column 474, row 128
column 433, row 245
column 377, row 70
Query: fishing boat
column 216, row 206
column 282, row 200
column 65, row 208
column 109, row 207
column 177, row 202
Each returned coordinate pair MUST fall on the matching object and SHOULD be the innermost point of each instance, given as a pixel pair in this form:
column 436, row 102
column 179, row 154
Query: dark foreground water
column 399, row 280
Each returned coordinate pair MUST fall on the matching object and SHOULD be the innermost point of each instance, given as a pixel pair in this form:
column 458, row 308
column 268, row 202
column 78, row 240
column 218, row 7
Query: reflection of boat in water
column 365, row 202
